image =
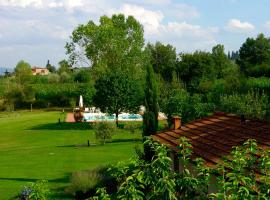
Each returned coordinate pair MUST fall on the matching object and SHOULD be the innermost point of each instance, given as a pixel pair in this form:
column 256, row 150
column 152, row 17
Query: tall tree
column 163, row 59
column 63, row 67
column 254, row 56
column 50, row 67
column 150, row 118
column 192, row 68
column 221, row 61
column 117, row 92
column 23, row 72
column 114, row 42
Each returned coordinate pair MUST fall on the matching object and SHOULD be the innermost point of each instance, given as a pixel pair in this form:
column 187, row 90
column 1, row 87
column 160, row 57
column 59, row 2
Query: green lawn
column 34, row 146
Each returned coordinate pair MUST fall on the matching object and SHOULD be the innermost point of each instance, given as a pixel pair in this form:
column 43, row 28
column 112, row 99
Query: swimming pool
column 92, row 117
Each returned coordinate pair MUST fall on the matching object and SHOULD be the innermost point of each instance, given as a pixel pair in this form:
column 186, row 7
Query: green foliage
column 239, row 180
column 63, row 94
column 23, row 72
column 252, row 104
column 53, row 78
column 63, row 67
column 191, row 185
column 188, row 107
column 104, row 131
column 150, row 117
column 85, row 181
column 114, row 42
column 116, row 92
column 82, row 76
column 139, row 179
column 191, row 68
column 255, row 56
column 101, row 195
column 36, row 191
column 15, row 95
column 163, row 59
column 65, row 77
column 50, row 67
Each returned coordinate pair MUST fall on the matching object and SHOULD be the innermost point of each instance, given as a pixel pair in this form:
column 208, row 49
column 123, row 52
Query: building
column 213, row 137
column 40, row 71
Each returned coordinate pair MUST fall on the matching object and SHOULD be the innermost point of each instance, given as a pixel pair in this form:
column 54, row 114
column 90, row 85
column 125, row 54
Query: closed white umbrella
column 81, row 102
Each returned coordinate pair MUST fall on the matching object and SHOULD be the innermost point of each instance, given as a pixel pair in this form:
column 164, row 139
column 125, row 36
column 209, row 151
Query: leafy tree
column 221, row 61
column 115, row 42
column 82, row 76
column 50, row 67
column 104, row 131
column 192, row 68
column 163, row 59
column 252, row 104
column 254, row 56
column 53, row 78
column 65, row 77
column 63, row 67
column 150, row 117
column 116, row 92
column 189, row 107
column 22, row 72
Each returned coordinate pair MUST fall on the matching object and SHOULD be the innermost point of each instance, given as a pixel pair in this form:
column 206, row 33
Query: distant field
column 33, row 146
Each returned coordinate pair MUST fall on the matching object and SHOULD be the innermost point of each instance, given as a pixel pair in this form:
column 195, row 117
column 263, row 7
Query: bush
column 186, row 106
column 35, row 191
column 104, row 131
column 84, row 184
column 252, row 104
column 53, row 78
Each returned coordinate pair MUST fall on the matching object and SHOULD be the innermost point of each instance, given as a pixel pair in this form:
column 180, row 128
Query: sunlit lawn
column 34, row 146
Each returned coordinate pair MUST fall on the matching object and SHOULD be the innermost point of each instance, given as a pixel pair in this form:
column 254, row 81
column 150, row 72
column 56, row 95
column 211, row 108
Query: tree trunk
column 116, row 119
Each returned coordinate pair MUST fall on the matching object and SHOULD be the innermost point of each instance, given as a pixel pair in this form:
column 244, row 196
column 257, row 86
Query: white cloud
column 189, row 37
column 183, row 11
column 267, row 25
column 235, row 25
column 151, row 20
column 160, row 2
column 21, row 3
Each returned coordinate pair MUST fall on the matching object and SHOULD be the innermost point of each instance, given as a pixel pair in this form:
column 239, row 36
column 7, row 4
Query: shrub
column 104, row 131
column 84, row 184
column 84, row 181
column 252, row 104
column 186, row 106
column 35, row 191
column 53, row 78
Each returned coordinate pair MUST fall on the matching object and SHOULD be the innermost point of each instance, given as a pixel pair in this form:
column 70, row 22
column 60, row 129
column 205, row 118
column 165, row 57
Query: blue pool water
column 121, row 117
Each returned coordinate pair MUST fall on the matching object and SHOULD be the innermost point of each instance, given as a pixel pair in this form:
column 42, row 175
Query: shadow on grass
column 56, row 193
column 64, row 126
column 135, row 140
column 125, row 140
column 57, row 180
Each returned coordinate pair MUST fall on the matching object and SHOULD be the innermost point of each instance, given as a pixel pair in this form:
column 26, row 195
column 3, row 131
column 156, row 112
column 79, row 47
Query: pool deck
column 70, row 117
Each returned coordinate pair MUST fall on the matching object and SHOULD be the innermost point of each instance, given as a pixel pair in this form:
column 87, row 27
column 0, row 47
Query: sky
column 37, row 30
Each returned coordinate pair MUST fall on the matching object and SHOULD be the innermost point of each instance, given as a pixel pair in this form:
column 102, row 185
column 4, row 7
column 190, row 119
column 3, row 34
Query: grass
column 34, row 146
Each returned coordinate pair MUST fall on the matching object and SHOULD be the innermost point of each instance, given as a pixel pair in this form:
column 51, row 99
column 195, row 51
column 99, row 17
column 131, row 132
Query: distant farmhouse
column 40, row 71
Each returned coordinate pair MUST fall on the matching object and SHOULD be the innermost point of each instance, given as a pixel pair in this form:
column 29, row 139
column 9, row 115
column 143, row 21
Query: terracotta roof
column 213, row 137
column 35, row 67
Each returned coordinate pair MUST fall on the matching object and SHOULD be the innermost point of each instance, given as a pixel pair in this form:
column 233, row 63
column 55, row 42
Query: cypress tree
column 150, row 117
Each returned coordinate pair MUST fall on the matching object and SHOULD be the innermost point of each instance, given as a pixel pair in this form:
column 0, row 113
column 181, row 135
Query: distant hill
column 3, row 69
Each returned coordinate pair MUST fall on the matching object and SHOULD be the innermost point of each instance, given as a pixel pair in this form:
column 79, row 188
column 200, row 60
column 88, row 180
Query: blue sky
column 37, row 30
